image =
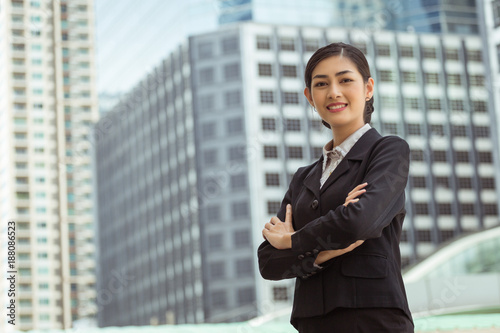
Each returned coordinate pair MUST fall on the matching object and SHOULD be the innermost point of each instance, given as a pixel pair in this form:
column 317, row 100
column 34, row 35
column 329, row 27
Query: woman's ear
column 307, row 93
column 369, row 87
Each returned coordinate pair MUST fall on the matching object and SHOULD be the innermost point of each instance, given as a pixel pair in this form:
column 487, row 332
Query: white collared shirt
column 333, row 156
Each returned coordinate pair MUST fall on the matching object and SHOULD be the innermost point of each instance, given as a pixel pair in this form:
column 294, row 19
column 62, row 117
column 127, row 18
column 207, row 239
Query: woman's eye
column 346, row 80
column 320, row 84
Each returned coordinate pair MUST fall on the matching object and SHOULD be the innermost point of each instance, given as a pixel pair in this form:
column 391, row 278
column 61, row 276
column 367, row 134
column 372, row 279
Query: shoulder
column 302, row 172
column 390, row 146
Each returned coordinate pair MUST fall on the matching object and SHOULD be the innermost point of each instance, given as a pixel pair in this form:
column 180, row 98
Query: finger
column 355, row 194
column 360, row 186
column 288, row 217
column 353, row 201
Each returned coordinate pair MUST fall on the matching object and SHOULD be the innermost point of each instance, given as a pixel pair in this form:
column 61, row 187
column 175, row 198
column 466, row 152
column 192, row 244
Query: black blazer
column 370, row 275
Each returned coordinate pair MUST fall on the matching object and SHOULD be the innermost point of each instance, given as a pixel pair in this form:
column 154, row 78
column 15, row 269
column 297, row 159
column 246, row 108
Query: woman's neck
column 342, row 133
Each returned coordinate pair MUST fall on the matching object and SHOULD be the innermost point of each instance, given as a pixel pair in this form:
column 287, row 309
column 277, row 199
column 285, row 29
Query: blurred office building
column 197, row 158
column 48, row 101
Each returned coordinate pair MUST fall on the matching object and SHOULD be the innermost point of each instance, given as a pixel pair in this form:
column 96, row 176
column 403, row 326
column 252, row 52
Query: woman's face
column 338, row 92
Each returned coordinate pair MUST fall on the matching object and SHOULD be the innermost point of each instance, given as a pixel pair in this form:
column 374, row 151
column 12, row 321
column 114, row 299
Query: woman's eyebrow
column 324, row 76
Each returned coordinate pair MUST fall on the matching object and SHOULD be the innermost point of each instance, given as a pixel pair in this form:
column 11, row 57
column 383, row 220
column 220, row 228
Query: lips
column 336, row 107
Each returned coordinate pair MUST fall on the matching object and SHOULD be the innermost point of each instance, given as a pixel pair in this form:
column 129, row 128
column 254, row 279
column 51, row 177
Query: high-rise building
column 249, row 130
column 48, row 102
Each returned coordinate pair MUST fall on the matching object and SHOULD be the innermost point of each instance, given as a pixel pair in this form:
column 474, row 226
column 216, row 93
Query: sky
column 133, row 37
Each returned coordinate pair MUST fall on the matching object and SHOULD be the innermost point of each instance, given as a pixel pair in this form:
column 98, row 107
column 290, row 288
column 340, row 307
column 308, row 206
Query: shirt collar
column 345, row 146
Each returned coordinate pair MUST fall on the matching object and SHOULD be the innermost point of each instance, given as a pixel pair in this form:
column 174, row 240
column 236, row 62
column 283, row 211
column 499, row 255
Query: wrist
column 287, row 240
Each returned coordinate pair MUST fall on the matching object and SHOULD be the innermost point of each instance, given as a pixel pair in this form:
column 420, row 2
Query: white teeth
column 336, row 106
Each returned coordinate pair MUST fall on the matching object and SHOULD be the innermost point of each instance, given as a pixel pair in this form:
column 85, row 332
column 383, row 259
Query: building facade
column 252, row 129
column 48, row 101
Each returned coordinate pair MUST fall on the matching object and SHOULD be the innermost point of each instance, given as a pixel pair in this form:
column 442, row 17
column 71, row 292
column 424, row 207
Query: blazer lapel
column 357, row 152
column 313, row 177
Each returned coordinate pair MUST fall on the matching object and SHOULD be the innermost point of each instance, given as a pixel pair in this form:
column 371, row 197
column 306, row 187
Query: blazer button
column 315, row 251
column 308, row 254
column 301, row 256
column 314, row 204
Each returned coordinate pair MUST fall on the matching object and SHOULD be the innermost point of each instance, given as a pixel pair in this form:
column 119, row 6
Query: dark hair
column 349, row 51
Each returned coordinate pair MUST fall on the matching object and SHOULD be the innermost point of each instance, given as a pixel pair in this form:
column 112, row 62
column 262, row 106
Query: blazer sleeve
column 277, row 264
column 387, row 175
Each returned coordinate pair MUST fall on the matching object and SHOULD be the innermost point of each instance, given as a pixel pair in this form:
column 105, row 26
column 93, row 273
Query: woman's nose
column 334, row 91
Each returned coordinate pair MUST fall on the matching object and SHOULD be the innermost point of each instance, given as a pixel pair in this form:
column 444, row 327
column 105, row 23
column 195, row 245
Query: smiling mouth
column 336, row 107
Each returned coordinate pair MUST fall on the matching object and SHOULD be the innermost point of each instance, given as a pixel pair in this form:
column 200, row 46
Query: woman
column 339, row 224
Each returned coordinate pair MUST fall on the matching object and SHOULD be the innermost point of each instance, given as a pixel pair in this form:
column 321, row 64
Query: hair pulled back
column 352, row 53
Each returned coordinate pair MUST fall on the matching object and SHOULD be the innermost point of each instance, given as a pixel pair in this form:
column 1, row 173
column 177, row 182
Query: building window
column 462, row 156
column 361, row 46
column 289, row 71
column 232, row 72
column 488, row 183
column 287, row 44
column 241, row 238
column 482, row 131
column 316, row 124
column 439, row 155
column 444, row 209
column 383, row 50
column 409, row 77
column 311, row 45
column 416, row 155
column 273, row 207
column 474, row 55
column 479, row 106
column 389, row 102
column 268, row 124
column 280, row 293
column 234, row 126
column 451, row 54
column 414, row 129
column 490, row 209
column 238, row 182
column 294, row 152
column 464, row 183
column 467, row 209
column 218, row 299
column 266, row 97
column 391, row 128
column 293, row 125
column 290, row 98
column 406, row 51
column 429, row 52
column 454, row 79
column 457, row 105
column 237, row 153
column 485, row 157
column 208, row 130
column 434, row 104
column 217, row 270
column 244, row 267
column 233, row 98
column 386, row 76
column 431, row 78
column 316, row 152
column 239, row 209
column 477, row 80
column 205, row 50
column 419, row 182
column 246, row 296
column 437, row 130
column 215, row 242
column 411, row 103
column 206, row 75
column 459, row 130
column 265, row 70
column 443, row 182
column 424, row 235
column 213, row 213
column 263, row 43
column 230, row 45
column 270, row 152
column 272, row 179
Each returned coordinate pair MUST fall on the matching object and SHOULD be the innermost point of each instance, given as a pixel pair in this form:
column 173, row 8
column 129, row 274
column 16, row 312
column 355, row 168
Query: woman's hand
column 327, row 255
column 357, row 191
column 279, row 233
